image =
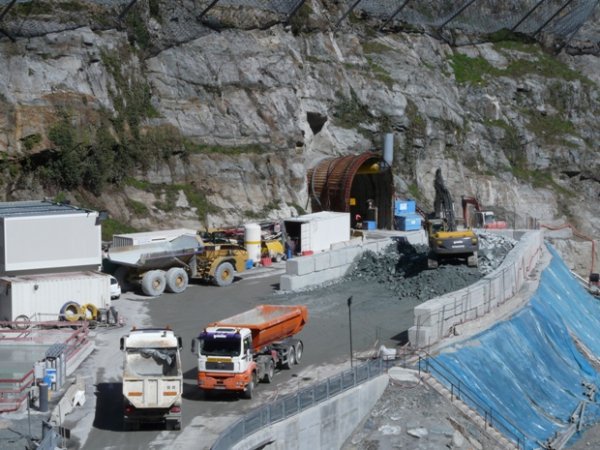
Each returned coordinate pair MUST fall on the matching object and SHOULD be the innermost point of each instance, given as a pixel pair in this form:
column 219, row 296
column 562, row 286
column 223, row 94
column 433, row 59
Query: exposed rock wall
column 225, row 124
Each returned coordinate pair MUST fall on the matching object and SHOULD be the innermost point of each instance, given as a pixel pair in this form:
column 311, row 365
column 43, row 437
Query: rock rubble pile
column 402, row 268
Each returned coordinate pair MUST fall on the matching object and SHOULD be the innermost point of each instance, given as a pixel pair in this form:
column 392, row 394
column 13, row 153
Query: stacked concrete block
column 436, row 318
column 322, row 261
column 300, row 266
column 313, row 270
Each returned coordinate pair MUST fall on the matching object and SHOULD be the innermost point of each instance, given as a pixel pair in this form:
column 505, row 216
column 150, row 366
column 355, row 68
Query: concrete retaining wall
column 309, row 271
column 326, row 425
column 436, row 318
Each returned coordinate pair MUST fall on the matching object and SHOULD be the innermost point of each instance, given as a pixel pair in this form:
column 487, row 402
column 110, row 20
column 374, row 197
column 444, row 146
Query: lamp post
column 350, row 328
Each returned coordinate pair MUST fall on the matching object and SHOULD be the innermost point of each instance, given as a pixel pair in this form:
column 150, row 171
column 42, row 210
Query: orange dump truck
column 236, row 353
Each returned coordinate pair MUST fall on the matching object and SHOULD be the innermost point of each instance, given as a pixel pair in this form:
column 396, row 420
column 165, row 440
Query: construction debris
column 402, row 268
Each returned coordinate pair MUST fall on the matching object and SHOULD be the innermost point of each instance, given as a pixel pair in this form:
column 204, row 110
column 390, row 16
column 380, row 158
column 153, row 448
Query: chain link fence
column 181, row 20
column 294, row 404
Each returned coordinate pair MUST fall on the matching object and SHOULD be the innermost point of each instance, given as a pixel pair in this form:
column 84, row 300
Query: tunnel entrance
column 359, row 184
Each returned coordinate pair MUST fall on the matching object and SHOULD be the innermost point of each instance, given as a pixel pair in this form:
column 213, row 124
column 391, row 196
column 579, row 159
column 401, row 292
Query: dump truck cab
column 152, row 378
column 223, row 351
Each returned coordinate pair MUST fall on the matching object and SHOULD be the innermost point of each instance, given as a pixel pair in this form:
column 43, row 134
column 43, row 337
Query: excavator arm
column 442, row 203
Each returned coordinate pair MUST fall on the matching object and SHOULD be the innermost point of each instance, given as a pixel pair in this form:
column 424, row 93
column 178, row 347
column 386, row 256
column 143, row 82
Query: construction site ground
column 410, row 414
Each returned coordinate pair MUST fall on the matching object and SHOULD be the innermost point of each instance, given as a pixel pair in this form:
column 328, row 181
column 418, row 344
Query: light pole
column 350, row 328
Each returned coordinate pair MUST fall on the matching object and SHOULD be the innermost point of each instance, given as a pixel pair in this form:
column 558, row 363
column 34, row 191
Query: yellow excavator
column 446, row 241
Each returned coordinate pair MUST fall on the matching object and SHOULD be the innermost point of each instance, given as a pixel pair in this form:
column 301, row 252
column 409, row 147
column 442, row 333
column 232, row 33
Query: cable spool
column 71, row 311
column 90, row 311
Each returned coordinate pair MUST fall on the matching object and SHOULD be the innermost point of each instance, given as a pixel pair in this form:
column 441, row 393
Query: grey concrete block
column 324, row 276
column 344, row 257
column 353, row 253
column 322, row 261
column 338, row 258
column 286, row 282
column 371, row 246
column 344, row 270
column 300, row 265
column 422, row 336
column 291, row 266
column 383, row 244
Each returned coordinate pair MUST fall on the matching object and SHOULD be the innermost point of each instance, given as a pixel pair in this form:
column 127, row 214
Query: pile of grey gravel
column 402, row 268
column 492, row 250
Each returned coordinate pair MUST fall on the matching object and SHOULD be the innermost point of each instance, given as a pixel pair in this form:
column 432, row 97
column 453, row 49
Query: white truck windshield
column 222, row 346
column 152, row 362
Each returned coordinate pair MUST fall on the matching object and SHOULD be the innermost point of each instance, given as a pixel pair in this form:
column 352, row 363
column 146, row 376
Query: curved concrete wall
column 436, row 318
column 326, row 425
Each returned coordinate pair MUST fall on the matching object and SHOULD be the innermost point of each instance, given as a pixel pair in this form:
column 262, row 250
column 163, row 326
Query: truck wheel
column 270, row 372
column 122, row 276
column 153, row 283
column 291, row 358
column 224, row 274
column 299, row 347
column 250, row 388
column 177, row 280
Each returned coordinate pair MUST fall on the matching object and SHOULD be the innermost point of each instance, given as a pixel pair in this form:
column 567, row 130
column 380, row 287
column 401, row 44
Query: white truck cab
column 227, row 350
column 152, row 378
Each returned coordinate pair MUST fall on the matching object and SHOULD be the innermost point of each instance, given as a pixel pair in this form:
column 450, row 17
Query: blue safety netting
column 526, row 375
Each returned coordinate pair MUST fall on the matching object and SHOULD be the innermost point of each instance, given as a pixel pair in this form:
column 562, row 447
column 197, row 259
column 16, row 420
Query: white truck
column 152, row 378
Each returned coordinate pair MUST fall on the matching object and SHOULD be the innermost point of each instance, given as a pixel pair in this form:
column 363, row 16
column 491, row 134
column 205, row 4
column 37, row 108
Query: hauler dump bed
column 168, row 259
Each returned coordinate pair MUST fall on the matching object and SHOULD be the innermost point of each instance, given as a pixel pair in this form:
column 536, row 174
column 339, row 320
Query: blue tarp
column 527, row 372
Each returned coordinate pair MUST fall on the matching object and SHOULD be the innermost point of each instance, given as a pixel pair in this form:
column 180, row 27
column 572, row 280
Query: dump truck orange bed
column 268, row 323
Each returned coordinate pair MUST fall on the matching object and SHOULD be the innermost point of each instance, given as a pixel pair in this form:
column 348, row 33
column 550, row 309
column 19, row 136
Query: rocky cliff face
column 165, row 120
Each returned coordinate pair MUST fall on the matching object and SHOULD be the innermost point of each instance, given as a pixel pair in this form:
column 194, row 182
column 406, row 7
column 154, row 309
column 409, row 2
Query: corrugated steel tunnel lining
column 333, row 182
